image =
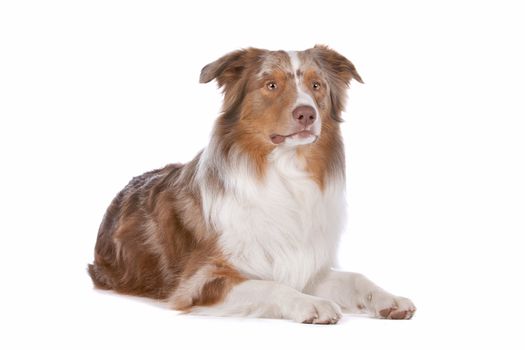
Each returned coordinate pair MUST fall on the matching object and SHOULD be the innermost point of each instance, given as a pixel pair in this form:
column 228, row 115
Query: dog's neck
column 226, row 162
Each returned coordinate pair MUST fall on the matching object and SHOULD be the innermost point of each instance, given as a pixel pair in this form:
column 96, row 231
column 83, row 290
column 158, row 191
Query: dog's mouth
column 300, row 135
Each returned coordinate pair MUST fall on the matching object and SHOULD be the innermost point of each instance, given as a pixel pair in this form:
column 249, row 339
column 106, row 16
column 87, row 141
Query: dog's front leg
column 268, row 299
column 357, row 294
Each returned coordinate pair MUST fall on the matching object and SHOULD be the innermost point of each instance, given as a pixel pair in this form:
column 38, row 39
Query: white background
column 95, row 92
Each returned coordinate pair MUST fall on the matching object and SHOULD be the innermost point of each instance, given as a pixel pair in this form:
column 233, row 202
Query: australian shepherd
column 250, row 226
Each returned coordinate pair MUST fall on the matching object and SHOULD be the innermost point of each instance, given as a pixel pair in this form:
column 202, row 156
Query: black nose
column 304, row 115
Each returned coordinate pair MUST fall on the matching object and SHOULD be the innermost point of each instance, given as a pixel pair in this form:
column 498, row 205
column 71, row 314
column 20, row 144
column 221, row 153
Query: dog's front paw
column 392, row 307
column 315, row 310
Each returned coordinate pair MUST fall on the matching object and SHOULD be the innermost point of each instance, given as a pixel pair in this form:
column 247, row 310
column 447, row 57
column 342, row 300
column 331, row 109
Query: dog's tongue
column 277, row 139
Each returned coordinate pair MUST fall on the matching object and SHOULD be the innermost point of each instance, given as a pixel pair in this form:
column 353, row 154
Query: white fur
column 355, row 293
column 303, row 96
column 191, row 287
column 282, row 232
column 296, row 140
column 282, row 228
column 269, row 299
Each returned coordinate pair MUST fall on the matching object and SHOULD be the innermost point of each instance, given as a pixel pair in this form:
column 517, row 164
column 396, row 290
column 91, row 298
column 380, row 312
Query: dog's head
column 281, row 98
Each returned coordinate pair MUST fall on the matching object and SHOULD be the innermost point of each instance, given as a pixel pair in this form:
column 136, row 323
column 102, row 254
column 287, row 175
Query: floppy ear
column 336, row 64
column 340, row 71
column 225, row 69
column 229, row 67
column 229, row 71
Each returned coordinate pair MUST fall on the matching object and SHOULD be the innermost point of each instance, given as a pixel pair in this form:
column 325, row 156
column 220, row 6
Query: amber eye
column 272, row 85
column 316, row 85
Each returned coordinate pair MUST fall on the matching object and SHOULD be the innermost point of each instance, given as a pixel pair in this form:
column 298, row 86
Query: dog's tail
column 98, row 276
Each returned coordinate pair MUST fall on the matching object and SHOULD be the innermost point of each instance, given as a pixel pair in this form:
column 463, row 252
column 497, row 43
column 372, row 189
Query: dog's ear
column 340, row 71
column 230, row 67
column 338, row 66
column 229, row 71
column 226, row 68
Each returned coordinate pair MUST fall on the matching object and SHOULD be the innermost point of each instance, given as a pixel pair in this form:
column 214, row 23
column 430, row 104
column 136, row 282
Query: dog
column 250, row 226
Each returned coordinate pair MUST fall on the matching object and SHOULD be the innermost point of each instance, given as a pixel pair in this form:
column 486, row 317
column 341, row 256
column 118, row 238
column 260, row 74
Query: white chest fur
column 283, row 228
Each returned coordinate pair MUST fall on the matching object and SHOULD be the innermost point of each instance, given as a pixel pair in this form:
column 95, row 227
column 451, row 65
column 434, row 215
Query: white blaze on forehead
column 303, row 97
column 294, row 59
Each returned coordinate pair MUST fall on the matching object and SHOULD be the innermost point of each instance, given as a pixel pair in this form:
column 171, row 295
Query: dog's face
column 282, row 98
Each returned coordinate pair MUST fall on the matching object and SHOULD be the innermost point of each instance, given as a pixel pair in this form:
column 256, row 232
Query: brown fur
column 154, row 240
column 150, row 238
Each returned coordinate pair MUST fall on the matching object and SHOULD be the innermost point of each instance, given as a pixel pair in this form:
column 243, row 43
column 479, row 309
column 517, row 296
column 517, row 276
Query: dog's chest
column 284, row 228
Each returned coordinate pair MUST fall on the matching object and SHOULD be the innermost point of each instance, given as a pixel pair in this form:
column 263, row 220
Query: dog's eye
column 316, row 85
column 272, row 85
